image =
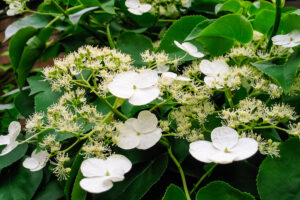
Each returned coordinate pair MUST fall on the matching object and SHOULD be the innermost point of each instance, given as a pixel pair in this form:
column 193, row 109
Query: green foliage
column 278, row 178
column 264, row 21
column 13, row 156
column 230, row 6
column 174, row 192
column 77, row 192
column 219, row 190
column 52, row 191
column 24, row 103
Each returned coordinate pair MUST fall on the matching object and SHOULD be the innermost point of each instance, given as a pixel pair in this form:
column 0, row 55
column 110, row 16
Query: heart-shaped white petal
column 145, row 8
column 222, row 157
column 144, row 96
column 132, row 3
column 245, row 148
column 118, row 164
column 146, row 122
column 128, row 138
column 224, row 138
column 149, row 139
column 14, row 130
column 30, row 163
column 146, row 78
column 201, row 150
column 123, row 84
column 96, row 184
column 93, row 167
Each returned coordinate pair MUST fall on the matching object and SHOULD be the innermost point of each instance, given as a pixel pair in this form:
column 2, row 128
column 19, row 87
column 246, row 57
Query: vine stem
column 276, row 24
column 229, row 97
column 34, row 135
column 186, row 191
column 203, row 177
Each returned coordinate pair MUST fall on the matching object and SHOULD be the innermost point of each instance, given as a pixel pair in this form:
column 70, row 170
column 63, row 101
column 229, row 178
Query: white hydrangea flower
column 9, row 140
column 140, row 88
column 141, row 133
column 174, row 76
column 37, row 161
column 291, row 39
column 100, row 174
column 215, row 72
column 189, row 48
column 225, row 147
column 135, row 7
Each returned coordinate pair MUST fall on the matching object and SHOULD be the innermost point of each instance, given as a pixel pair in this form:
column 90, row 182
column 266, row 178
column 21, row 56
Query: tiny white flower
column 215, row 72
column 140, row 88
column 291, row 39
column 100, row 174
column 141, row 133
column 135, row 7
column 189, row 48
column 225, row 147
column 37, row 161
column 9, row 140
column 174, row 76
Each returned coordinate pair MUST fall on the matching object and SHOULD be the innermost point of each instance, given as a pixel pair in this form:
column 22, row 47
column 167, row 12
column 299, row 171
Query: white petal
column 30, row 163
column 42, row 156
column 122, row 85
column 210, row 81
column 222, row 157
column 11, row 146
column 202, row 150
column 146, row 122
column 197, row 54
column 128, row 138
column 290, row 45
column 206, row 67
column 96, row 184
column 171, row 75
column 14, row 130
column 135, row 11
column 93, row 167
column 132, row 3
column 118, row 164
column 149, row 139
column 192, row 50
column 182, row 78
column 220, row 67
column 224, row 138
column 145, row 8
column 179, row 45
column 146, row 78
column 245, row 148
column 295, row 35
column 281, row 39
column 144, row 96
column 5, row 139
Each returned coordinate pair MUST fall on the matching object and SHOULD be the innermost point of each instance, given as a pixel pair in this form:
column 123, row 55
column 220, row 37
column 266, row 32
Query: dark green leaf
column 180, row 148
column 179, row 31
column 24, row 103
column 19, row 184
column 198, row 28
column 264, row 20
column 77, row 192
column 45, row 99
column 230, row 5
column 50, row 52
column 219, row 190
column 219, row 36
column 52, row 191
column 134, row 44
column 174, row 192
column 283, row 74
column 279, row 178
column 13, row 156
column 34, row 20
column 38, row 84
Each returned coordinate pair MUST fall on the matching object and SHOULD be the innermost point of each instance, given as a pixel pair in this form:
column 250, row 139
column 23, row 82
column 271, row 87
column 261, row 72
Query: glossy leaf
column 174, row 192
column 52, row 191
column 230, row 6
column 37, row 84
column 219, row 190
column 45, row 99
column 279, row 178
column 77, row 192
column 264, row 21
column 13, row 156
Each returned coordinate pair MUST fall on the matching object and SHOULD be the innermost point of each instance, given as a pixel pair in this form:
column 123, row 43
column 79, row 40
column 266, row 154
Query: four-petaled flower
column 215, row 72
column 225, row 147
column 189, row 48
column 291, row 39
column 135, row 7
column 140, row 88
column 100, row 174
column 141, row 133
column 9, row 140
column 37, row 161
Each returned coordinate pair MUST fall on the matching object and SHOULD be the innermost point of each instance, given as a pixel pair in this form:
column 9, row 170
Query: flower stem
column 186, row 191
column 229, row 97
column 203, row 177
column 34, row 135
column 110, row 40
column 276, row 24
column 59, row 8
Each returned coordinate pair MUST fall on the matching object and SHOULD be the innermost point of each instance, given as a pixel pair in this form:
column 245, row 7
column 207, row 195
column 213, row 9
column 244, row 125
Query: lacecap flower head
column 9, row 140
column 100, row 174
column 225, row 147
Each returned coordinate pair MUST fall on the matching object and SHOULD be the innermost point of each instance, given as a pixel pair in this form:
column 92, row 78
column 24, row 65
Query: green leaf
column 219, row 190
column 19, row 184
column 174, row 192
column 180, row 148
column 17, row 44
column 74, row 171
column 198, row 28
column 264, row 21
column 34, row 20
column 279, row 178
column 283, row 74
column 74, row 18
column 37, row 84
column 50, row 52
column 220, row 36
column 134, row 44
column 45, row 99
column 231, row 6
column 179, row 31
column 13, row 156
column 77, row 192
column 260, row 5
column 52, row 191
column 24, row 103
column 106, row 5
column 289, row 23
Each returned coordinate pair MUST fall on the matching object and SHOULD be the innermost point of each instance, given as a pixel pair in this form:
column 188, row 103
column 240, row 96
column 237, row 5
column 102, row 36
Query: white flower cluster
column 16, row 6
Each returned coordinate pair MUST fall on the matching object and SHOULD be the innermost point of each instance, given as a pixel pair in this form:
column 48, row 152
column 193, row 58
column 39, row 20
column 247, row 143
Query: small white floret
column 100, row 174
column 189, row 48
column 140, row 133
column 9, row 140
column 225, row 147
